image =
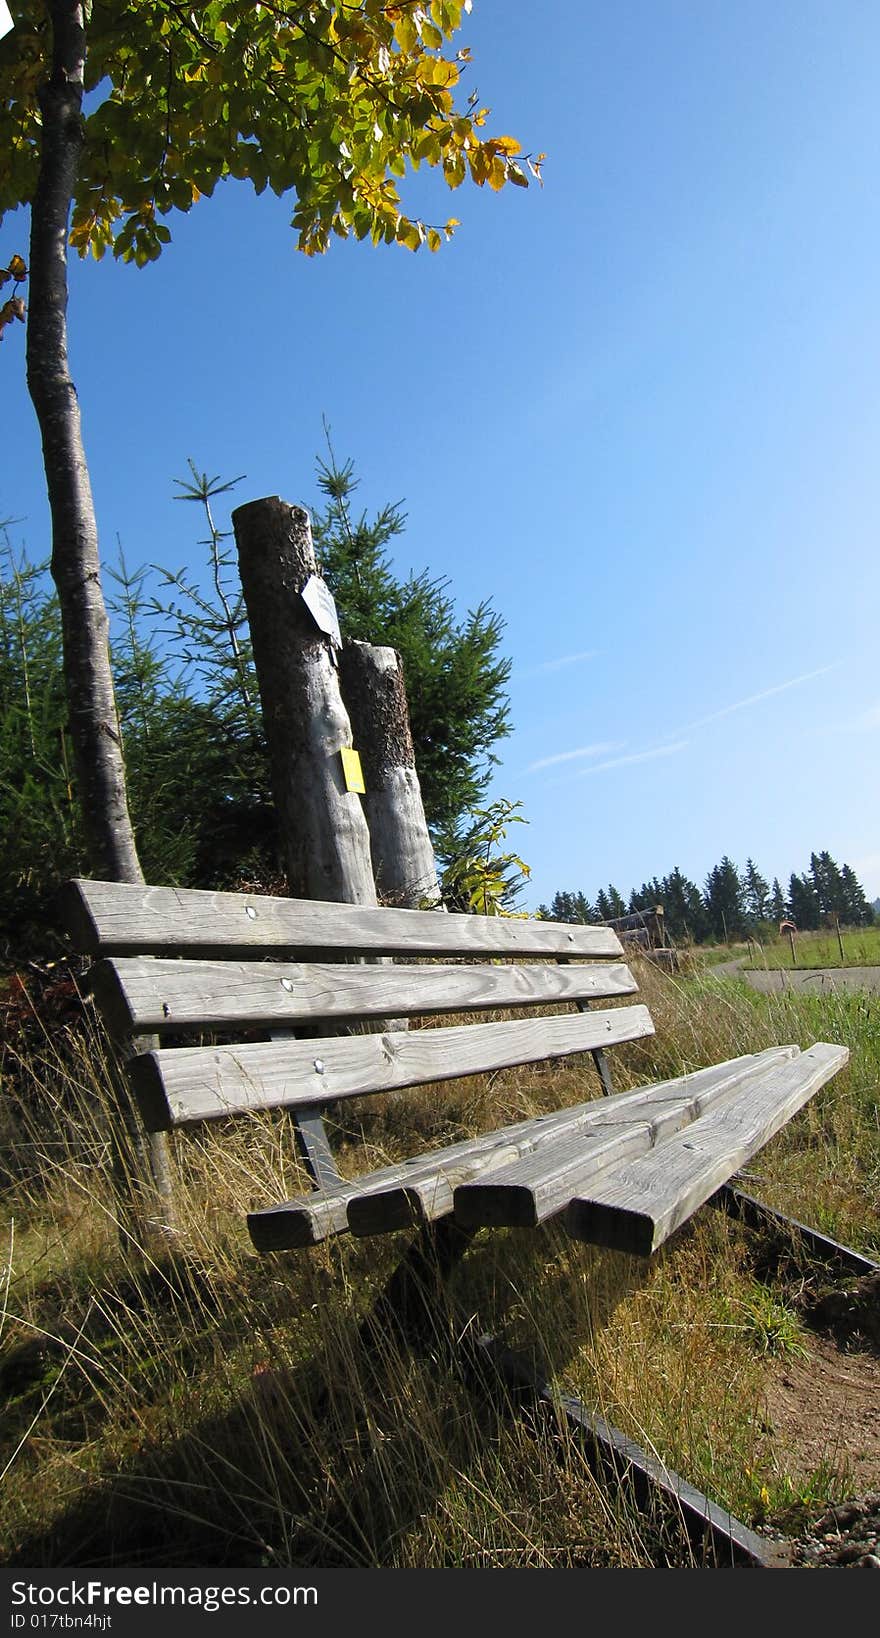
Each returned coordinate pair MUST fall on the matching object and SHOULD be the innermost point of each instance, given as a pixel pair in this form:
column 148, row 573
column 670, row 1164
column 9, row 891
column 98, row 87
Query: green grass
column 713, row 955
column 194, row 1404
column 861, row 948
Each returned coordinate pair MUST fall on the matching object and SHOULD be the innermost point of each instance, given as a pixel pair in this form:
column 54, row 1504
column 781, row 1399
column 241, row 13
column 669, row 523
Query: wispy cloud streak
column 572, row 756
column 755, row 699
column 636, row 756
column 866, row 722
column 560, row 663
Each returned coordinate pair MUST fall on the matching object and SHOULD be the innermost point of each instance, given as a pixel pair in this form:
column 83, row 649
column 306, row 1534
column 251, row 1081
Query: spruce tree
column 803, row 904
column 724, row 901
column 683, row 907
column 39, row 817
column 778, row 908
column 756, row 893
column 855, row 907
column 455, row 675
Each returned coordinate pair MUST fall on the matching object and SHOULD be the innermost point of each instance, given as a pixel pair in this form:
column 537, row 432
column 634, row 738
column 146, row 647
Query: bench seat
column 297, row 996
column 524, row 1174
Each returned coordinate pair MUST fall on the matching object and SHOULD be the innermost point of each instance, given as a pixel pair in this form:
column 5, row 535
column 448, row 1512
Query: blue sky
column 639, row 409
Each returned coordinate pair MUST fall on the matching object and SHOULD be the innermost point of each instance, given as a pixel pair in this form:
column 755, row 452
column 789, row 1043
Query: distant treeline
column 732, row 903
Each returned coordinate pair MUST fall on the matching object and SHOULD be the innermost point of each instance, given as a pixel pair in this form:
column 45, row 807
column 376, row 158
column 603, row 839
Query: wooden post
column 839, row 941
column 375, row 696
column 791, row 942
column 323, row 830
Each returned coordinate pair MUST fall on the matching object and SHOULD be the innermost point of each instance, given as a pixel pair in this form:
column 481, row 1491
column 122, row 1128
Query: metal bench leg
column 313, row 1147
column 601, row 1063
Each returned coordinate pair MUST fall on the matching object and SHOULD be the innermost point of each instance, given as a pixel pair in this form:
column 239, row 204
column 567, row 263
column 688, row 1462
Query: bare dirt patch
column 825, row 1411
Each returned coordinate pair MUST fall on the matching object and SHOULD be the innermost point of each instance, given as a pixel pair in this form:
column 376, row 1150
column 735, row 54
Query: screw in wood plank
column 250, row 911
column 287, row 985
column 319, row 1066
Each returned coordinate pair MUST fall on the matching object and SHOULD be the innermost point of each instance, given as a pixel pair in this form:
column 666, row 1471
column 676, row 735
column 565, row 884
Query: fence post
column 374, row 692
column 324, row 834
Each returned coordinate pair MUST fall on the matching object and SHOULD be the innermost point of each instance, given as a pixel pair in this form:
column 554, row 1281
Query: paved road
column 802, row 978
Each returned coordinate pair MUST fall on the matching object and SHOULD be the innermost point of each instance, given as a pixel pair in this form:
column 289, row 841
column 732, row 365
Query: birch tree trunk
column 94, row 726
column 373, row 688
column 325, row 840
column 91, row 702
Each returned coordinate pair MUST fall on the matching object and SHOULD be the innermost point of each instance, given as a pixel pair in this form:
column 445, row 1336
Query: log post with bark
column 325, row 841
column 404, row 866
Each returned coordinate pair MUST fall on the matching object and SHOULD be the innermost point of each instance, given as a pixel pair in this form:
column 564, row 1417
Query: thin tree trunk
column 94, row 724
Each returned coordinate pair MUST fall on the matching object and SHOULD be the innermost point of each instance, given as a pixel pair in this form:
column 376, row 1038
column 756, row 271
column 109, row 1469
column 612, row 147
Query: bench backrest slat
column 145, row 995
column 111, row 918
column 176, row 1086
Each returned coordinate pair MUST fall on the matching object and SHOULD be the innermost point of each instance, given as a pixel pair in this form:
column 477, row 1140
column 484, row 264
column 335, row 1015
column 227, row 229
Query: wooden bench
column 285, row 985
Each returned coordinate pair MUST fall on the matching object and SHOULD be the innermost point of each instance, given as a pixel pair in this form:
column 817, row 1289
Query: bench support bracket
column 756, row 1215
column 719, row 1539
column 412, row 1305
column 601, row 1062
column 313, row 1147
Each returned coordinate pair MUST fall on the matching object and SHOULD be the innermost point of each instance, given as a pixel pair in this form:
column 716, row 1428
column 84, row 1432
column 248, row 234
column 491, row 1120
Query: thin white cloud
column 867, row 721
column 755, row 699
column 571, row 756
column 558, row 664
column 636, row 756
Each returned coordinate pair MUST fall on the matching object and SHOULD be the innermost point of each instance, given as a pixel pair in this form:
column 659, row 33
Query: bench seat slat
column 420, row 1190
column 140, row 994
column 112, row 918
column 636, row 1205
column 175, row 1086
column 542, row 1182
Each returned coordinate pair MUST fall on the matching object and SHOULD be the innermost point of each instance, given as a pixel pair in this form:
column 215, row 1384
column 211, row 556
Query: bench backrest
column 177, row 961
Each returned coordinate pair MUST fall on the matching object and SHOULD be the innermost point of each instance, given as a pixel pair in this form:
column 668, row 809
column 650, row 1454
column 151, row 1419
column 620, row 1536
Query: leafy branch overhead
column 333, row 103
column 13, row 307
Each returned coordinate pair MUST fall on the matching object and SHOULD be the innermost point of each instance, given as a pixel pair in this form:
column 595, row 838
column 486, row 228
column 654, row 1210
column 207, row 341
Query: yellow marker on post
column 352, row 772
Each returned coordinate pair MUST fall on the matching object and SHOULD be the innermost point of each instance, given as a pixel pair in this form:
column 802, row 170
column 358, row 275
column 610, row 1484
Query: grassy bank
column 197, row 1405
column 861, row 948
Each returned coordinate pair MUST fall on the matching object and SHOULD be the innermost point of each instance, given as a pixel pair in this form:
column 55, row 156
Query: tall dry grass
column 185, row 1402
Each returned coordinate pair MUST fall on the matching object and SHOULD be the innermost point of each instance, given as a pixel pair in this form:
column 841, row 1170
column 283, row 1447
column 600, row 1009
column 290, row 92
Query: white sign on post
column 318, row 599
column 6, row 22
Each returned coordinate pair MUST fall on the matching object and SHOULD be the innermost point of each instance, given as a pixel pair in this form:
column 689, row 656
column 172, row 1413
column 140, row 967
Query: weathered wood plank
column 635, row 1206
column 545, row 1179
column 110, row 918
column 176, row 1086
column 145, row 993
column 420, row 1190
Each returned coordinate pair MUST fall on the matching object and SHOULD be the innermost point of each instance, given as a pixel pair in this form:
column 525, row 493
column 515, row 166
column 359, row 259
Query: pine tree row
column 732, row 903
